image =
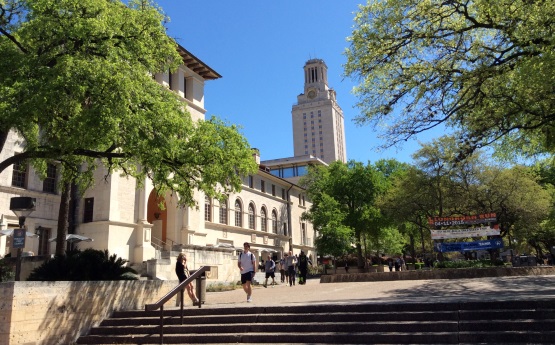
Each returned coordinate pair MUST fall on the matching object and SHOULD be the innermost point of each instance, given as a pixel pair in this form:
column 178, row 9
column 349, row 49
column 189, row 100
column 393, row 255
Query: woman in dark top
column 183, row 273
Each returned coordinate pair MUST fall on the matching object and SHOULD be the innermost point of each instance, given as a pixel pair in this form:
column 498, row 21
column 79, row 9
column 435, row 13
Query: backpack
column 252, row 256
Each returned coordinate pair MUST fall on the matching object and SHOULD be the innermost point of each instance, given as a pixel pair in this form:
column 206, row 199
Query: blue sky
column 260, row 48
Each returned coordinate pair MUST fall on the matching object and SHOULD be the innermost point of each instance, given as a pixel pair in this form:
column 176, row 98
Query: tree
column 514, row 194
column 76, row 84
column 484, row 68
column 354, row 189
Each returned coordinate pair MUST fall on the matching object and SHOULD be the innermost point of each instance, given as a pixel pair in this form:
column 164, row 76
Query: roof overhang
column 196, row 65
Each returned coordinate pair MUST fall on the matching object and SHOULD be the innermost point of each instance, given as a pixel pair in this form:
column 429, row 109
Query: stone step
column 280, row 329
column 492, row 322
column 286, row 318
column 288, row 338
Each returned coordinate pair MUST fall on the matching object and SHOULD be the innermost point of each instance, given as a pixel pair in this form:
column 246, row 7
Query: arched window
column 238, row 214
column 223, row 211
column 263, row 220
column 207, row 208
column 274, row 222
column 251, row 217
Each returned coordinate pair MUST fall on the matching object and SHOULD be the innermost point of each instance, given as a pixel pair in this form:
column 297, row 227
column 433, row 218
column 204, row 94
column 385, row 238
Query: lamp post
column 22, row 207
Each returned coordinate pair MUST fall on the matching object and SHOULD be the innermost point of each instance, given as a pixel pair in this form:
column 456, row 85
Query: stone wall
column 455, row 273
column 45, row 313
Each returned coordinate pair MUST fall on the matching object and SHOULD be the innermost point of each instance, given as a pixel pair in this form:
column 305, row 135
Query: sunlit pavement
column 438, row 290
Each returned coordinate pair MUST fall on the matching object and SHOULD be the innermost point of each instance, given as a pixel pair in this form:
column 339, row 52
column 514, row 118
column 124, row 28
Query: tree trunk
column 358, row 235
column 412, row 250
column 63, row 220
column 3, row 138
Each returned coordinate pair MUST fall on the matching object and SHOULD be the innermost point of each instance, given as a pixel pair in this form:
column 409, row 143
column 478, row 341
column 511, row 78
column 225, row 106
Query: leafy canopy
column 483, row 68
column 343, row 203
column 76, row 83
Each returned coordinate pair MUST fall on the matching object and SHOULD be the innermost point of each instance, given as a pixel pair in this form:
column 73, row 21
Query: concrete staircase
column 492, row 322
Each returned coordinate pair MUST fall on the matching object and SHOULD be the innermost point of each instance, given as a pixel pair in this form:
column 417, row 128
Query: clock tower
column 318, row 123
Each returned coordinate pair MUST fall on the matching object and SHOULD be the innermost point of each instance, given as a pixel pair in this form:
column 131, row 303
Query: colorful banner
column 461, row 233
column 463, row 220
column 468, row 246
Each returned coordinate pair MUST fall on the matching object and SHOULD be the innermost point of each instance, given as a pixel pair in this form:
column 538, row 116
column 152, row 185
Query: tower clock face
column 311, row 94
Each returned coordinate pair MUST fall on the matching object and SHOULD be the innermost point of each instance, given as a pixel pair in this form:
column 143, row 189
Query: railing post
column 199, row 289
column 181, row 294
column 162, row 324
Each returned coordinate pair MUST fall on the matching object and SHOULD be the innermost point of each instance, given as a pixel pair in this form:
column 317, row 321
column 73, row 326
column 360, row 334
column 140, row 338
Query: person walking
column 247, row 265
column 303, row 267
column 282, row 269
column 182, row 273
column 270, row 268
column 291, row 262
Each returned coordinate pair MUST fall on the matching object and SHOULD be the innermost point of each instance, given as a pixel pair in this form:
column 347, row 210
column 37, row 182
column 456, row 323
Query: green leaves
column 483, row 67
column 76, row 82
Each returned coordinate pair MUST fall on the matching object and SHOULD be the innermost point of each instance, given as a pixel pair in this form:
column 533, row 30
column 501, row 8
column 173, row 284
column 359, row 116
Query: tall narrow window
column 283, row 193
column 44, row 245
column 274, row 222
column 262, row 186
column 223, row 212
column 263, row 220
column 88, row 211
column 49, row 183
column 273, row 190
column 251, row 181
column 238, row 214
column 251, row 217
column 19, row 177
column 207, row 209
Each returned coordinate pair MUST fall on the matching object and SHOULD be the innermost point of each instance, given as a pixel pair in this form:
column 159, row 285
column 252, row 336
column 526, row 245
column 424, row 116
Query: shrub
column 6, row 271
column 219, row 287
column 90, row 264
column 468, row 264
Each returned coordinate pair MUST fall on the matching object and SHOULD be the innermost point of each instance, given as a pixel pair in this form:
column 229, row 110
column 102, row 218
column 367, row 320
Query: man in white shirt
column 291, row 262
column 246, row 264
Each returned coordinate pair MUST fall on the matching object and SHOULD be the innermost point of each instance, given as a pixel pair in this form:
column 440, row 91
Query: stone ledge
column 453, row 273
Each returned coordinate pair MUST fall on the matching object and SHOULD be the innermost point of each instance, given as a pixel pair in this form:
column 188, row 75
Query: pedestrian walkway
column 438, row 290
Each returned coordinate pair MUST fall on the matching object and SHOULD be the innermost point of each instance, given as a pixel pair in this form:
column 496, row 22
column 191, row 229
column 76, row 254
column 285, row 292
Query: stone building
column 318, row 123
column 127, row 221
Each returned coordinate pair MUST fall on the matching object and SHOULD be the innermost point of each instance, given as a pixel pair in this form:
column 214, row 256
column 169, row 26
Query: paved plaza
column 438, row 290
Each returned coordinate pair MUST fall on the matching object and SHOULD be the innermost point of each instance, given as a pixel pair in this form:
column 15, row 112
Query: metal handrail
column 198, row 275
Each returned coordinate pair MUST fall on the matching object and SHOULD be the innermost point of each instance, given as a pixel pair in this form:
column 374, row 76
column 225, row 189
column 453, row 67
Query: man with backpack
column 303, row 267
column 291, row 262
column 270, row 268
column 247, row 264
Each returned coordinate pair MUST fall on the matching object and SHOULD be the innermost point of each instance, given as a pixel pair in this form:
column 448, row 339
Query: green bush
column 6, row 271
column 315, row 270
column 468, row 264
column 90, row 264
column 218, row 287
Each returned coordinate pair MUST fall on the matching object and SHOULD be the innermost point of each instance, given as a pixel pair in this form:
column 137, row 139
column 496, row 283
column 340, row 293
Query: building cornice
column 196, row 65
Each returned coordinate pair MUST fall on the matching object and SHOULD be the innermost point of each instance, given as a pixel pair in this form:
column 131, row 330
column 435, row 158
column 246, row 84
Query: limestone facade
column 318, row 121
column 127, row 221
